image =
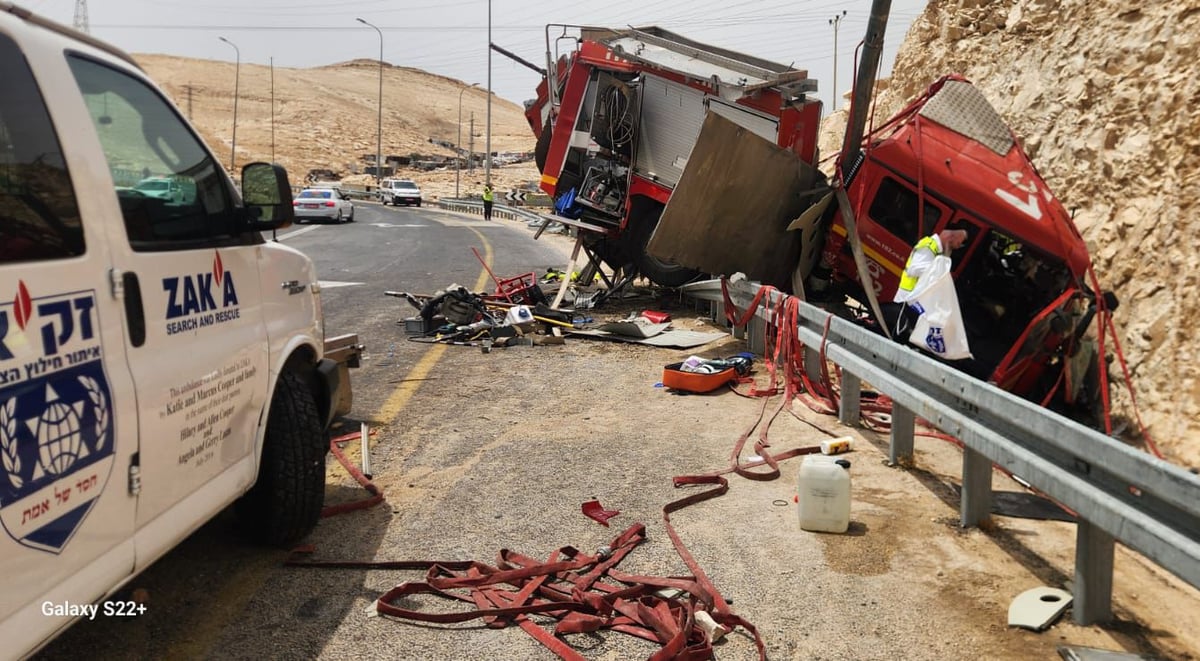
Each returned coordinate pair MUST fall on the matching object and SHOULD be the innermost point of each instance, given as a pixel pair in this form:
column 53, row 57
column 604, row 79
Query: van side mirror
column 267, row 196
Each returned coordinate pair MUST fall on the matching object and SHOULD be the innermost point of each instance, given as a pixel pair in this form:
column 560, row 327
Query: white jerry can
column 824, row 487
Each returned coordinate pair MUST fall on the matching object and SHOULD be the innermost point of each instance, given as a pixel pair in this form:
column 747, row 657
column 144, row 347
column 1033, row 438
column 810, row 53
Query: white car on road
column 323, row 204
column 399, row 191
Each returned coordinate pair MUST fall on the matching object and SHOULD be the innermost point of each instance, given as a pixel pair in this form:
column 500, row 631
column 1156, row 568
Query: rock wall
column 1105, row 98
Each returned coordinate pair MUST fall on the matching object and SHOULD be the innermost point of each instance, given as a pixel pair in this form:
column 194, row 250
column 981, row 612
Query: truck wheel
column 285, row 502
column 644, row 218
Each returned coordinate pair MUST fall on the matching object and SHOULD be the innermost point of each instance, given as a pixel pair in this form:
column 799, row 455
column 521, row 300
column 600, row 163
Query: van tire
column 285, row 502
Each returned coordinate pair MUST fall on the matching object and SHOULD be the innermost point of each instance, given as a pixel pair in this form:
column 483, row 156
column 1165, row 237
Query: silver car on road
column 324, row 204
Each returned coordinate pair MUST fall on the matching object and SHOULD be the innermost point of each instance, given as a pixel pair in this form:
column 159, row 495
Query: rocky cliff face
column 1105, row 98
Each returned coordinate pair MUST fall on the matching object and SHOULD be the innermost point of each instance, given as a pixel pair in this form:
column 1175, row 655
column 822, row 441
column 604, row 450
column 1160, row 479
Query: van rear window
column 39, row 217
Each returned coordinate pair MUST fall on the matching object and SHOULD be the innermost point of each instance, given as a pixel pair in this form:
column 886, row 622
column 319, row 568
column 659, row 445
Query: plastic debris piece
column 1038, row 608
column 709, row 625
column 594, row 510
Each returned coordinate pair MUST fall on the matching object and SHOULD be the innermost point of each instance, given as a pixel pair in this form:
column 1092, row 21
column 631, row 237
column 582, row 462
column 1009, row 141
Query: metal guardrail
column 1119, row 493
column 476, row 207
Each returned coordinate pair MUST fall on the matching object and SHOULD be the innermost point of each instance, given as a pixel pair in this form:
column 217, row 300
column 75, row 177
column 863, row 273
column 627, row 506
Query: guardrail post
column 754, row 335
column 1093, row 574
column 812, row 364
column 851, row 396
column 903, row 425
column 976, row 488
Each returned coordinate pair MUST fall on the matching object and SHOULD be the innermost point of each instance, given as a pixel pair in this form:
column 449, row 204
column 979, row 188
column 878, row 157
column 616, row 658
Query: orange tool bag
column 698, row 382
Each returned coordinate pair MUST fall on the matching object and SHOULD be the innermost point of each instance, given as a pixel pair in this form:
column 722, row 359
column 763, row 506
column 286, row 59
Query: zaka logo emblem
column 935, row 341
column 56, row 426
column 200, row 300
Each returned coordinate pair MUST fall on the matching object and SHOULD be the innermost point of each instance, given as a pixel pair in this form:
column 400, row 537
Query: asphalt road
column 197, row 591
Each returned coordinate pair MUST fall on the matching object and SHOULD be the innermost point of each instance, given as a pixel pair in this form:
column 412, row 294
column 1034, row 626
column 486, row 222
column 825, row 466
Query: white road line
column 298, row 231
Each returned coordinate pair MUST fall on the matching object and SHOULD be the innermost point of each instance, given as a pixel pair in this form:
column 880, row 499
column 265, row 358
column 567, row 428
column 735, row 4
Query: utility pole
column 81, row 17
column 487, row 162
column 237, row 77
column 458, row 144
column 835, row 21
column 272, row 109
column 189, row 100
column 471, row 156
column 379, row 128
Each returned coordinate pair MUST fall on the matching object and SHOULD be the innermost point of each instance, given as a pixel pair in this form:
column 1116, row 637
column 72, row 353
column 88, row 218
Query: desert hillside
column 327, row 117
column 1104, row 96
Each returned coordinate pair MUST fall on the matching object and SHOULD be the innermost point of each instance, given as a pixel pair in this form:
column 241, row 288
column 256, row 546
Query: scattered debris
column 1037, row 608
column 592, row 509
column 577, row 590
column 1074, row 653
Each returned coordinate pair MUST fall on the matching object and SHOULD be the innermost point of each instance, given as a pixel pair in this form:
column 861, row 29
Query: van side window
column 172, row 193
column 895, row 207
column 39, row 218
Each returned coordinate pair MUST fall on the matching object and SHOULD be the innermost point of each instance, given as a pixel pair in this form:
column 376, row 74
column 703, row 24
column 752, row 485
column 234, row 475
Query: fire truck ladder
column 722, row 68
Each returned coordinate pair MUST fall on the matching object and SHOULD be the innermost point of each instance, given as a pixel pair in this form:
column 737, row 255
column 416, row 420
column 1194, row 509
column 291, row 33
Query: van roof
column 70, row 33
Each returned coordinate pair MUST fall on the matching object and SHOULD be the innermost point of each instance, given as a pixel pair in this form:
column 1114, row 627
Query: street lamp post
column 237, row 76
column 379, row 127
column 487, row 163
column 835, row 21
column 458, row 145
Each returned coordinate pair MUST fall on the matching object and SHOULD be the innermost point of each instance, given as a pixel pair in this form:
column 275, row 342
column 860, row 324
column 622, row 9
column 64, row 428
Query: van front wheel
column 285, row 502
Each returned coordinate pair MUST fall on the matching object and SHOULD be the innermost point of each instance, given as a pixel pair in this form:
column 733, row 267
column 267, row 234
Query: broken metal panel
column 731, row 209
column 763, row 125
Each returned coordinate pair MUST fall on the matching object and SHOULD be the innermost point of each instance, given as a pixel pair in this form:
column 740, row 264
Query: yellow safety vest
column 907, row 282
column 488, row 195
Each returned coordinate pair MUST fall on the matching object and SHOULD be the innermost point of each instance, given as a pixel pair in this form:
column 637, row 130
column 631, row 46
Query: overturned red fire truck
column 678, row 159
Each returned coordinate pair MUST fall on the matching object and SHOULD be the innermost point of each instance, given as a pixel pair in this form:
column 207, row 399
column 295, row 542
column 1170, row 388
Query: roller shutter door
column 672, row 115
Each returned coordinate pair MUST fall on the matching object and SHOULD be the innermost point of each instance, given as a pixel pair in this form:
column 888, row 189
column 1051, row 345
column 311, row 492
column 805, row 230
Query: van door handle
column 135, row 313
column 293, row 287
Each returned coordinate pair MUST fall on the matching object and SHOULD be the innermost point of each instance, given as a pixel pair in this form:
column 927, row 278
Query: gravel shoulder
column 500, row 450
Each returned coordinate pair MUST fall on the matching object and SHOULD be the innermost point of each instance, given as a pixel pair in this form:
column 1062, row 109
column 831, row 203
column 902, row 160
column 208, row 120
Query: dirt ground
column 500, row 450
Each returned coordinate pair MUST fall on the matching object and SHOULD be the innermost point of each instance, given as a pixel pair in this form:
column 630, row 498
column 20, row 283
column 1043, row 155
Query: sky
column 450, row 37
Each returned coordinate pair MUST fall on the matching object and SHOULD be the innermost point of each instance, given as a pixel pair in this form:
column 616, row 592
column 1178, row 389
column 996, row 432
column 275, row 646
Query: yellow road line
column 232, row 597
column 400, row 396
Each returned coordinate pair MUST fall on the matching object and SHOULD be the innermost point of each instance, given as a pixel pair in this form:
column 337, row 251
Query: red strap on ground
column 568, row 588
column 592, row 509
column 376, row 493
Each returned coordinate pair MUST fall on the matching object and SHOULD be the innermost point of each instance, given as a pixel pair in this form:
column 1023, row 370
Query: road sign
column 515, row 196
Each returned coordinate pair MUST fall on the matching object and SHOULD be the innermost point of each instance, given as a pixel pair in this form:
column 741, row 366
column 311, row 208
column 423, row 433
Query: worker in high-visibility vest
column 488, row 197
column 919, row 261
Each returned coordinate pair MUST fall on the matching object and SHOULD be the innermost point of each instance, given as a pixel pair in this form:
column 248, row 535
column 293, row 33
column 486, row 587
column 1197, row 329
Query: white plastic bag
column 939, row 328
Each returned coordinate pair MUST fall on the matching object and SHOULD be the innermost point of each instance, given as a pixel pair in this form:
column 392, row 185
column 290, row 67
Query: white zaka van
column 159, row 360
